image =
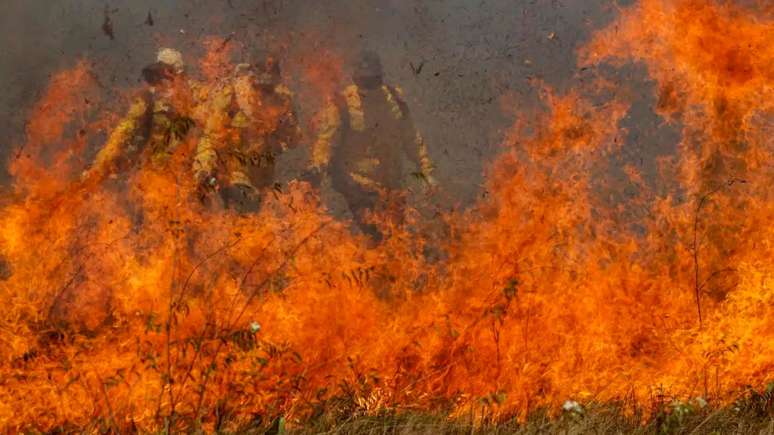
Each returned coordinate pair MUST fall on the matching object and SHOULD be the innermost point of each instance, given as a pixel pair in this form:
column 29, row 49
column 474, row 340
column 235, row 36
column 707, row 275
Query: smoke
column 466, row 67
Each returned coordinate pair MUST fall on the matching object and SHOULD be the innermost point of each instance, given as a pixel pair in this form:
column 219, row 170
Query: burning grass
column 128, row 305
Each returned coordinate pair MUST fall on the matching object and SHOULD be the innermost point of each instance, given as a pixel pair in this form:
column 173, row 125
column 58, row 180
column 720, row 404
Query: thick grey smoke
column 455, row 59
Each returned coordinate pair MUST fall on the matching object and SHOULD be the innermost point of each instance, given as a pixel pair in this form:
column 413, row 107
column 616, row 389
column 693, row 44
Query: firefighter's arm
column 414, row 142
column 118, row 142
column 330, row 122
column 205, row 159
column 424, row 162
column 289, row 131
column 206, row 154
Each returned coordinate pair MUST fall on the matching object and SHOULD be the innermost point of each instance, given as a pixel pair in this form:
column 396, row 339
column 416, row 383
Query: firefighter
column 364, row 135
column 157, row 120
column 272, row 124
column 251, row 122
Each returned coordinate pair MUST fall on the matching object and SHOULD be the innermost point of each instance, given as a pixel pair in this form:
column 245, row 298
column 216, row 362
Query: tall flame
column 131, row 305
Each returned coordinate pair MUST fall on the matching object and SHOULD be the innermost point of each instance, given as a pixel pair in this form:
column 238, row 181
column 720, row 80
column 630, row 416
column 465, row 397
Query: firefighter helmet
column 171, row 57
column 368, row 65
column 267, row 69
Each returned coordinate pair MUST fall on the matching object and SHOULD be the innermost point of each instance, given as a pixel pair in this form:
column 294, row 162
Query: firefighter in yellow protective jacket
column 363, row 138
column 157, row 121
column 251, row 121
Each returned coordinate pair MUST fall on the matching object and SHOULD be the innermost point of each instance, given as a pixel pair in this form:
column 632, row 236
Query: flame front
column 130, row 303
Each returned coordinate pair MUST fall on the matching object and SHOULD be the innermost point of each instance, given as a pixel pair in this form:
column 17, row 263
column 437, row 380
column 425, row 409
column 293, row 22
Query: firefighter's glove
column 431, row 184
column 206, row 184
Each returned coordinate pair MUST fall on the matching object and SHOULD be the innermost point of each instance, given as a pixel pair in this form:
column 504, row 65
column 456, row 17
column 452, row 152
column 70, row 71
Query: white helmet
column 172, row 58
column 242, row 68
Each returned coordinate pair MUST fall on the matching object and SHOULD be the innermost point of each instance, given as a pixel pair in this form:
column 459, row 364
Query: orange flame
column 134, row 307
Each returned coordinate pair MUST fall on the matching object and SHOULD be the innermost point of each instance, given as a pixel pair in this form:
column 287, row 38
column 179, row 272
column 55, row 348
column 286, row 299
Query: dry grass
column 597, row 421
column 753, row 414
column 602, row 419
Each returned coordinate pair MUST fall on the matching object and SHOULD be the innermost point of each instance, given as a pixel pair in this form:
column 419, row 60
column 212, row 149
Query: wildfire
column 131, row 305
